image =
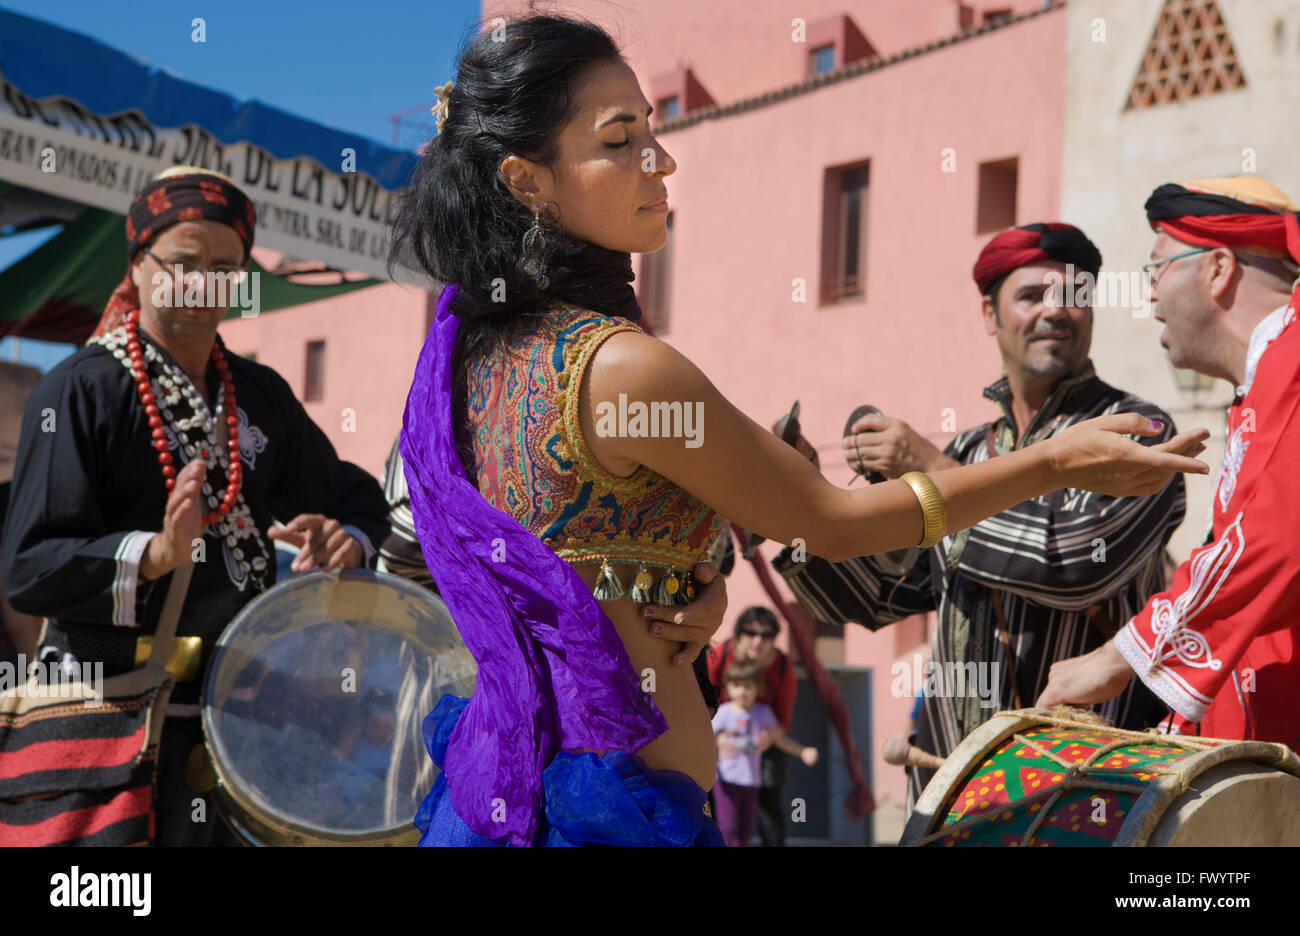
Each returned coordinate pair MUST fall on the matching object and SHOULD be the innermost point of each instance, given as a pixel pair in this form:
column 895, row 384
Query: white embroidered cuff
column 361, row 538
column 1157, row 678
column 129, row 553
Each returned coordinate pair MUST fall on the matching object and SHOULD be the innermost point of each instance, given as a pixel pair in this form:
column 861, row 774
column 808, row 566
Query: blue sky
column 347, row 65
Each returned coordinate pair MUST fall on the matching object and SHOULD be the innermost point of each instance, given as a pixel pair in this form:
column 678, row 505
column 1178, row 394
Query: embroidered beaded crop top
column 533, row 464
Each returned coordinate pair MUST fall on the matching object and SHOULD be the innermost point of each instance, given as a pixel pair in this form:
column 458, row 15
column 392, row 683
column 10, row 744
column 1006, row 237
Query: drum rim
column 255, row 814
column 255, row 829
column 354, row 576
column 926, row 818
column 1142, row 823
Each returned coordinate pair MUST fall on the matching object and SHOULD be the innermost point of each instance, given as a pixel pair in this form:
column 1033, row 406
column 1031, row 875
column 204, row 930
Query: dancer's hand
column 1083, row 680
column 1094, row 455
column 692, row 625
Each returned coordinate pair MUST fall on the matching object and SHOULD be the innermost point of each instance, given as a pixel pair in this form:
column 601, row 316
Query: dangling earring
column 533, row 250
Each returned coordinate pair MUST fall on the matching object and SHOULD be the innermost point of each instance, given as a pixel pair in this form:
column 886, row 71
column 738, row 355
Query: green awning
column 58, row 291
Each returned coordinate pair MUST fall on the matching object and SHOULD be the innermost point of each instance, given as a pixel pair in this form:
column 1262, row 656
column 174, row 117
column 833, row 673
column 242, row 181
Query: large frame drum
column 1033, row 778
column 313, row 708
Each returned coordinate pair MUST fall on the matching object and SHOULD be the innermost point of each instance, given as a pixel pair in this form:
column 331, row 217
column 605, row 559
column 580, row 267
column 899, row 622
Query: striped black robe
column 1070, row 568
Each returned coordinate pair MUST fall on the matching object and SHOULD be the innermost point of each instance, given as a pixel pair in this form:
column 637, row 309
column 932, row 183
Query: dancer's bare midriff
column 688, row 744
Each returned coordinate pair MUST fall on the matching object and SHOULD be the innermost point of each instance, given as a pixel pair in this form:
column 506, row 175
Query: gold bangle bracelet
column 933, row 509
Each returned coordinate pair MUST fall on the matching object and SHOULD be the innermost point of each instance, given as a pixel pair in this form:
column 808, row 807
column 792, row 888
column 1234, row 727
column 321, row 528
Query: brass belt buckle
column 182, row 660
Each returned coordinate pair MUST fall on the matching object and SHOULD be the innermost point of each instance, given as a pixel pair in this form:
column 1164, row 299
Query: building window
column 675, row 94
column 823, row 60
column 1190, row 54
column 835, row 42
column 656, row 284
column 315, row 389
column 996, row 208
column 844, row 233
column 995, row 16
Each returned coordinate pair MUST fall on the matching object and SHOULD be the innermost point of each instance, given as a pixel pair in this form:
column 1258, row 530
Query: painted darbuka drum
column 313, row 709
column 1031, row 778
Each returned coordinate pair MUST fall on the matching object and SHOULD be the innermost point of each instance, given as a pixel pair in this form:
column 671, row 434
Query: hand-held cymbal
column 873, row 477
column 787, row 429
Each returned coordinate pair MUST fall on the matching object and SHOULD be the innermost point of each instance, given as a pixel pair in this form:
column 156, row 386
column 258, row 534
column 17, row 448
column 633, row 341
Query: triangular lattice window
column 1190, row 55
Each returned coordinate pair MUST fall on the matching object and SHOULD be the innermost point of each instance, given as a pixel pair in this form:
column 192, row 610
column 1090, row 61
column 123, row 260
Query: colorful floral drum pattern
column 1019, row 795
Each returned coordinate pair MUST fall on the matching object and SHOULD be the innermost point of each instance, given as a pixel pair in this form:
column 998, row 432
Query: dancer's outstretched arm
column 748, row 475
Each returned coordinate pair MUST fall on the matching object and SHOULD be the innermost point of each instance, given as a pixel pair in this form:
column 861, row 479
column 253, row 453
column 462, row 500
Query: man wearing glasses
column 152, row 447
column 1044, row 581
column 756, row 632
column 1219, row 647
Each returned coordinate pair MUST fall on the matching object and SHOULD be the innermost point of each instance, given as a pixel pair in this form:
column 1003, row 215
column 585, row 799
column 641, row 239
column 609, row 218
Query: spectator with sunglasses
column 755, row 640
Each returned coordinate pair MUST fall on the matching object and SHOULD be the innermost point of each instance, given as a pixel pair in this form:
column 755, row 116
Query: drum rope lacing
column 1077, row 771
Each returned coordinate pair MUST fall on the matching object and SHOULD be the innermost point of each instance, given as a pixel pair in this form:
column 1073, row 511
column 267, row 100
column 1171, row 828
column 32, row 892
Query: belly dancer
column 566, row 469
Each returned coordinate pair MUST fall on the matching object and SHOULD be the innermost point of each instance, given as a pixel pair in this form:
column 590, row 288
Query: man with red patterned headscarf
column 1220, row 645
column 1045, row 580
column 121, row 473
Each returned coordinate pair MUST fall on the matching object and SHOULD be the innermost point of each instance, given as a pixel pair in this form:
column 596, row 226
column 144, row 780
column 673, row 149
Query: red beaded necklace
column 139, row 371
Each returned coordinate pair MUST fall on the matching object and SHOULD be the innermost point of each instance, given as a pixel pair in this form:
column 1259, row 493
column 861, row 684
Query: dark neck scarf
column 594, row 278
column 580, row 273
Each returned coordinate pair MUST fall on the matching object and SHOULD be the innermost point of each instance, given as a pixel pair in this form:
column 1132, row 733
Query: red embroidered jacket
column 1220, row 645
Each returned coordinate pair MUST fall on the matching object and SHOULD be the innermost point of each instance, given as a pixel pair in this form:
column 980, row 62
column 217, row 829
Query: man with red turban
column 122, row 477
column 1220, row 645
column 1048, row 578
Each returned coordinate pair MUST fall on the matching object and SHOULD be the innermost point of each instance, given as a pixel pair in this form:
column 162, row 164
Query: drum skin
column 1238, row 803
column 313, row 708
column 1034, row 778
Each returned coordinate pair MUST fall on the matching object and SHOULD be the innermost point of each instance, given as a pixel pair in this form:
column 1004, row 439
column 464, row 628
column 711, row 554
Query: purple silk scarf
column 552, row 671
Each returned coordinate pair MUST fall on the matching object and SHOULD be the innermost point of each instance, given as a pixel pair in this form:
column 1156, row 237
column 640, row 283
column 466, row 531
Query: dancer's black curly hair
column 515, row 89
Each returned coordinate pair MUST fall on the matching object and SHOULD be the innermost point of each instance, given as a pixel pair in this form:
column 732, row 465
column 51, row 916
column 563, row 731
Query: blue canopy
column 44, row 61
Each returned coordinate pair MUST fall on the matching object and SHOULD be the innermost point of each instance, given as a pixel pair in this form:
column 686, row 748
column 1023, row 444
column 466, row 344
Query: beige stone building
column 1162, row 91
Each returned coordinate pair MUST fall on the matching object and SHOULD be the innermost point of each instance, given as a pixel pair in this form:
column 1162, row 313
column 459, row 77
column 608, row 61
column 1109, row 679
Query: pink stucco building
column 363, row 346
column 823, row 230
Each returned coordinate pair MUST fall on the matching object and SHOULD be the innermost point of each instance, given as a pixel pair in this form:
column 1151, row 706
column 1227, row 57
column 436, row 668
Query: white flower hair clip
column 441, row 110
